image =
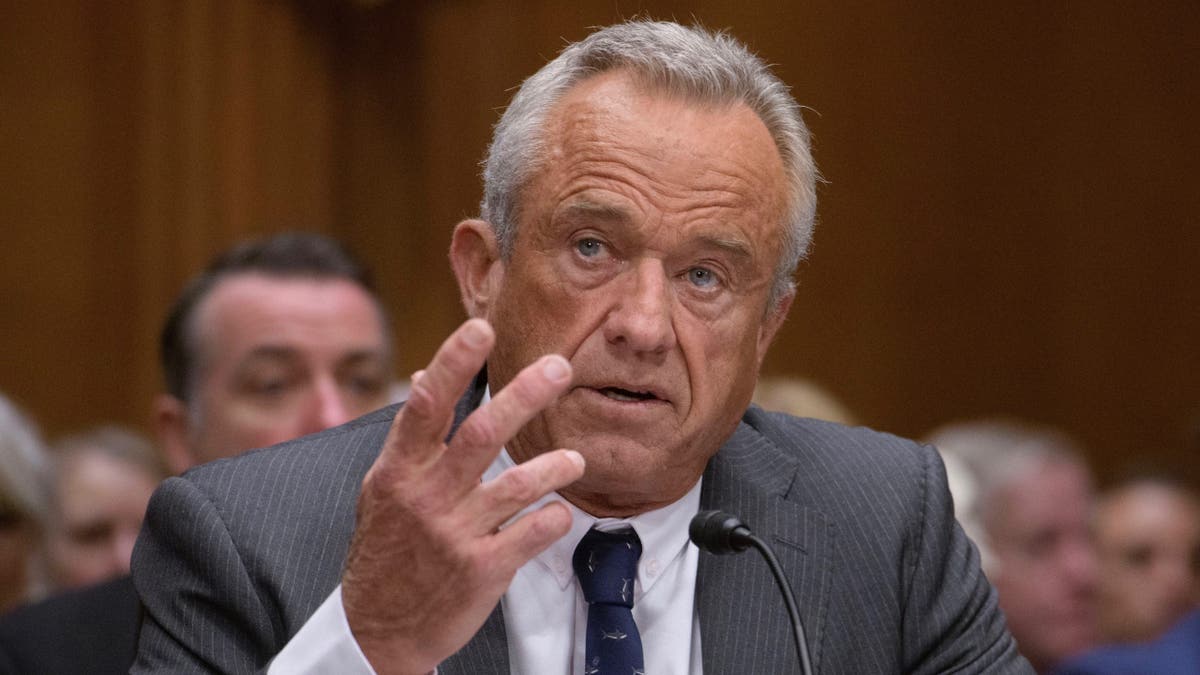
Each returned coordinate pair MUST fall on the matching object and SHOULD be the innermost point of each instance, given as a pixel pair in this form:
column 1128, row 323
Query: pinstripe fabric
column 235, row 555
column 485, row 654
column 863, row 525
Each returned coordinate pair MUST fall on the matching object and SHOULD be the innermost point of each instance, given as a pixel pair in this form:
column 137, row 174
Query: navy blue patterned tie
column 606, row 565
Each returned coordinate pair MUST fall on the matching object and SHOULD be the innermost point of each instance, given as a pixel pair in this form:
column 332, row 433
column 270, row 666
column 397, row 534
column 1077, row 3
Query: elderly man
column 275, row 339
column 648, row 195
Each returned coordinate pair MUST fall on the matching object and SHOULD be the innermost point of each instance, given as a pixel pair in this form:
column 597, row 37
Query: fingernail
column 475, row 334
column 577, row 458
column 555, row 368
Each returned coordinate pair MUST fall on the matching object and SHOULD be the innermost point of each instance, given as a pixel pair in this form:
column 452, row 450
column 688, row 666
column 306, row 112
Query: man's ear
column 475, row 257
column 172, row 426
column 771, row 323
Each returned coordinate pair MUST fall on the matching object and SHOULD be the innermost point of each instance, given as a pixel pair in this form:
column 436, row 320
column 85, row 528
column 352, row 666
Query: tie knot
column 606, row 565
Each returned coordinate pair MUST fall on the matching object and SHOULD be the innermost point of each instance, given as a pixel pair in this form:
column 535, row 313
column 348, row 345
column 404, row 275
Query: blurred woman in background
column 102, row 481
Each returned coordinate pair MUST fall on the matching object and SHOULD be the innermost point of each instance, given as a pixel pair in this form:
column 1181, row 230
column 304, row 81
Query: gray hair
column 688, row 62
column 24, row 490
column 984, row 456
column 23, row 466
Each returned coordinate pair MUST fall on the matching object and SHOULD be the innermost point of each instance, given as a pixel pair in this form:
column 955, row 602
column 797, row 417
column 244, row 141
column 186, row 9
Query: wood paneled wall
column 1007, row 227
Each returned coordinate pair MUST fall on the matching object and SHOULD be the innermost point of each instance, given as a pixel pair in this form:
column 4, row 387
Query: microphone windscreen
column 718, row 532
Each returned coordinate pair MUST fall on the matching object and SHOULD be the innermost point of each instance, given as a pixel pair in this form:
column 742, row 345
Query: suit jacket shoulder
column 235, row 555
column 863, row 522
column 90, row 630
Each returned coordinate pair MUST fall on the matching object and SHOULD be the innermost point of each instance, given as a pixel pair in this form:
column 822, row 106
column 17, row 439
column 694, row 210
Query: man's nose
column 641, row 315
column 328, row 408
column 1081, row 564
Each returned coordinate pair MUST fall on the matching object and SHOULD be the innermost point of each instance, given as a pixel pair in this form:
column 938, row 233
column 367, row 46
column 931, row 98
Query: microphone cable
column 721, row 533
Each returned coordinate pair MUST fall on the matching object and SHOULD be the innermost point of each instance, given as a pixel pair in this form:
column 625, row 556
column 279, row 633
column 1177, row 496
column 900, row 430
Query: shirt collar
column 663, row 532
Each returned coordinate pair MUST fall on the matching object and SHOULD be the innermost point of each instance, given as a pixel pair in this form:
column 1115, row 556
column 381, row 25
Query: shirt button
column 652, row 568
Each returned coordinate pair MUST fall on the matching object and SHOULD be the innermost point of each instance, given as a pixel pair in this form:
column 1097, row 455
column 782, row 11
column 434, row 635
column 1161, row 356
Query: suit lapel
column 469, row 401
column 743, row 621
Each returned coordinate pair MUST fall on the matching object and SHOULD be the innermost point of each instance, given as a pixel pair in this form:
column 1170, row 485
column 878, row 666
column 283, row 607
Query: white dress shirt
column 545, row 615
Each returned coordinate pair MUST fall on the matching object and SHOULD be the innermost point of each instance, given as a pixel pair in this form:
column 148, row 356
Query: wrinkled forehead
column 612, row 113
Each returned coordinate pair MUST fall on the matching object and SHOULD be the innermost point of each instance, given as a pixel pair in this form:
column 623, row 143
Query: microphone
column 720, row 533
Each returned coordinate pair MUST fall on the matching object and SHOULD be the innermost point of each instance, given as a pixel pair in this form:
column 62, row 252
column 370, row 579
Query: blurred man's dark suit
column 89, row 631
column 235, row 555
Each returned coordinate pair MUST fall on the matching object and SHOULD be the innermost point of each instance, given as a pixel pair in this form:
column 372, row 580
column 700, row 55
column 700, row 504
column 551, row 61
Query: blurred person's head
column 1024, row 494
column 801, row 397
column 100, row 485
column 276, row 339
column 23, row 507
column 1148, row 538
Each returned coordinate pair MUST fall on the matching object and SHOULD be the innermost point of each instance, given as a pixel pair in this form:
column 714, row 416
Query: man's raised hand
column 427, row 563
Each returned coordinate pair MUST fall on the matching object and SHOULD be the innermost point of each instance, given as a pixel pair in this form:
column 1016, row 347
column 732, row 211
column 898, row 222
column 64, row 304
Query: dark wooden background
column 1008, row 224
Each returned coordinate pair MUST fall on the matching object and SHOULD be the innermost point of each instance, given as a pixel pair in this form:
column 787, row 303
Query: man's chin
column 610, row 489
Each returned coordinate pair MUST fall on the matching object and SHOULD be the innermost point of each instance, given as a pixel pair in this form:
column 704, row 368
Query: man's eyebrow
column 360, row 356
column 732, row 245
column 271, row 351
column 268, row 353
column 587, row 208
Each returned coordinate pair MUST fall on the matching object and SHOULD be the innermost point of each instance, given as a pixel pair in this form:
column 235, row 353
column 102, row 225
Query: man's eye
column 269, row 387
column 701, row 277
column 366, row 385
column 589, row 247
column 91, row 534
column 1139, row 557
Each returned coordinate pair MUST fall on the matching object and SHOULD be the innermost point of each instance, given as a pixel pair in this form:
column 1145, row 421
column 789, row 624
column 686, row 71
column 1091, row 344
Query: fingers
column 421, row 426
column 481, row 435
column 533, row 533
column 499, row 499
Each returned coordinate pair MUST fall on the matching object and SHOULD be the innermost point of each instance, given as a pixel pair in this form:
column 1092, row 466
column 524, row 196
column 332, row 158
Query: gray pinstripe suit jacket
column 235, row 556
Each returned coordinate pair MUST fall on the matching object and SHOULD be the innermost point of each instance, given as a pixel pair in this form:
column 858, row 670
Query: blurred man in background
column 275, row 339
column 1148, row 537
column 1024, row 495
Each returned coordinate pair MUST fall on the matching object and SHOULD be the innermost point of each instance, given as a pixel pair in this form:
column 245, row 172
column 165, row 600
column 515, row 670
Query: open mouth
column 626, row 395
